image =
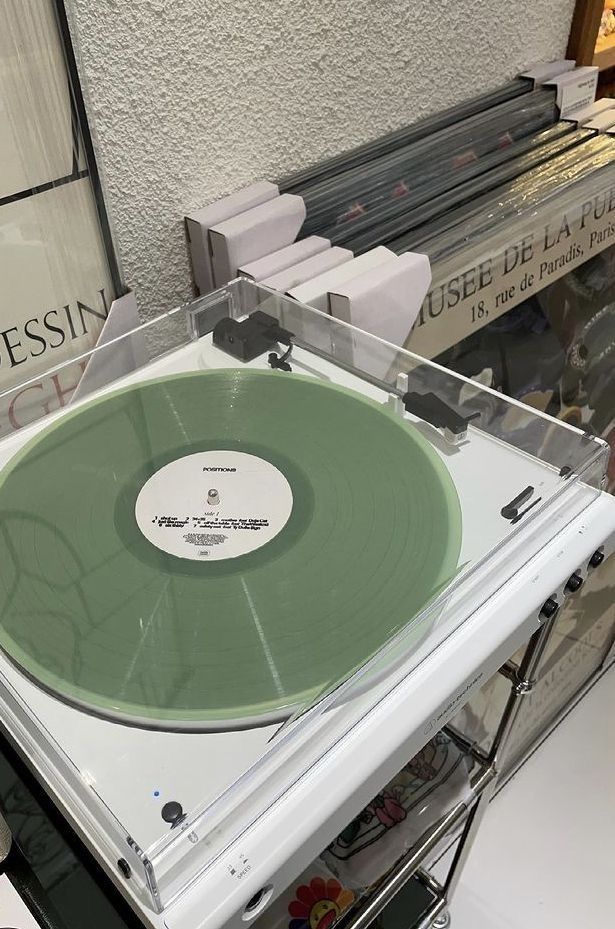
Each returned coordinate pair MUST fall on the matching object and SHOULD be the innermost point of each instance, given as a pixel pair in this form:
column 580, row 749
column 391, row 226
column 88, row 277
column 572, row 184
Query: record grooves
column 218, row 547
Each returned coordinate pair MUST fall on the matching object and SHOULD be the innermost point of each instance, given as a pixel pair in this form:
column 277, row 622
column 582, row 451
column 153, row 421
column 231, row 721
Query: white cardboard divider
column 200, row 222
column 308, row 269
column 315, row 292
column 550, row 69
column 602, row 121
column 385, row 300
column 266, row 267
column 575, row 89
column 257, row 232
column 586, row 113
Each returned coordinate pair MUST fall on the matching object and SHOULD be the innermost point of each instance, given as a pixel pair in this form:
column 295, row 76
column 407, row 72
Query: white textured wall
column 191, row 99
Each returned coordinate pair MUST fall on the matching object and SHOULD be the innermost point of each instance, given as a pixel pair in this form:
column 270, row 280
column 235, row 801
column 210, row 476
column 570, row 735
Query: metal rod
column 466, row 746
column 426, row 918
column 505, row 727
column 523, row 685
column 430, row 882
column 408, row 865
column 535, row 650
column 482, row 781
column 404, row 871
column 467, row 839
column 510, row 670
column 541, row 736
column 429, row 916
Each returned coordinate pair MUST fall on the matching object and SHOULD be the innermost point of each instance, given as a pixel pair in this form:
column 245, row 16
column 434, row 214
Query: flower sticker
column 318, row 904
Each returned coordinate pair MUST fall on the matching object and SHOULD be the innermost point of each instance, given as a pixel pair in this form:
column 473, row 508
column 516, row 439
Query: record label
column 214, row 505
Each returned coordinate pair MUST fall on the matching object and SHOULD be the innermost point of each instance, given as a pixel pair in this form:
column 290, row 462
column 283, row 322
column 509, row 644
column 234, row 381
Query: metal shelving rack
column 464, row 817
column 467, row 814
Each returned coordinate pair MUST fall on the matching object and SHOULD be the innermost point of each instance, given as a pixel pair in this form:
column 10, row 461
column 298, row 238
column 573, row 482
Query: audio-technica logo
column 219, row 469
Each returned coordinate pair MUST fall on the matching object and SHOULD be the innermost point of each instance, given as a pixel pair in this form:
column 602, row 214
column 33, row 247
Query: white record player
column 201, row 827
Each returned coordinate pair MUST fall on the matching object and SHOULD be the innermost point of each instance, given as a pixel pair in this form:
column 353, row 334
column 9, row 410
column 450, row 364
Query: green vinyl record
column 212, row 550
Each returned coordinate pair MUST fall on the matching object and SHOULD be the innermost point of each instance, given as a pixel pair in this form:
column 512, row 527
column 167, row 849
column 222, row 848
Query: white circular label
column 214, row 505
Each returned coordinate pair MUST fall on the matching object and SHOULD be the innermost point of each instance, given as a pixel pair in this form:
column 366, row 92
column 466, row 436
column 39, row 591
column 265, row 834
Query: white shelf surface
column 544, row 855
